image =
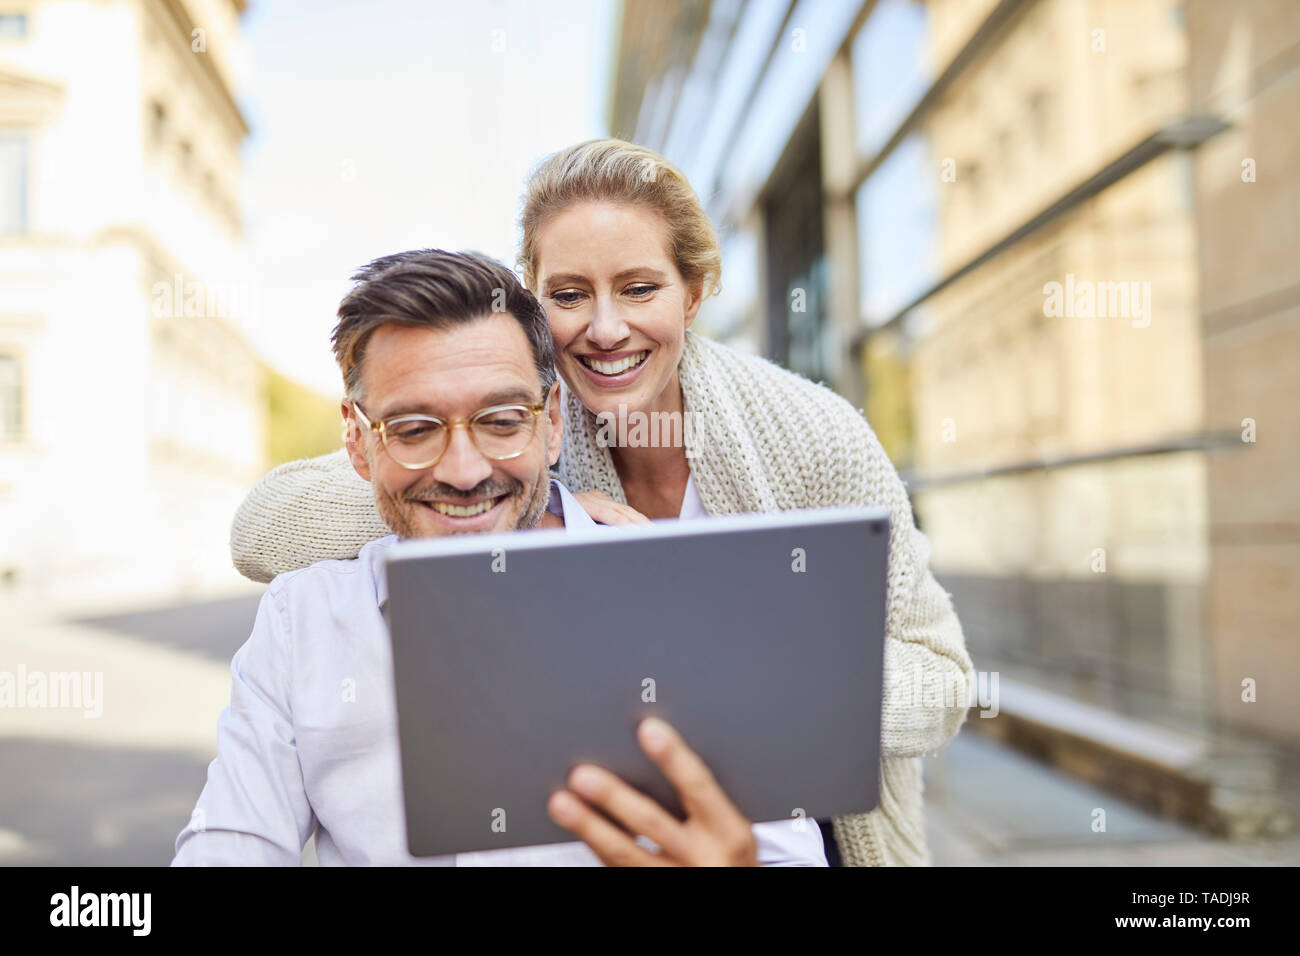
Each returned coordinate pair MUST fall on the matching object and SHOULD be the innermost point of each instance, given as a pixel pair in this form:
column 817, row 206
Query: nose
column 607, row 330
column 462, row 465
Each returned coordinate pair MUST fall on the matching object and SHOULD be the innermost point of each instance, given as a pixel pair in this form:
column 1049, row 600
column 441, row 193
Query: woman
column 621, row 254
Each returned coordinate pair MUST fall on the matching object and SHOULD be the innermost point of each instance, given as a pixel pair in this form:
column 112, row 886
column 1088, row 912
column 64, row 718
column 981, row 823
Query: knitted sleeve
column 303, row 512
column 818, row 451
column 927, row 668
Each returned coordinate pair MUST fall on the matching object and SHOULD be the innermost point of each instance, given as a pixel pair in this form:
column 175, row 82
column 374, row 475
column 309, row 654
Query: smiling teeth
column 613, row 368
column 462, row 511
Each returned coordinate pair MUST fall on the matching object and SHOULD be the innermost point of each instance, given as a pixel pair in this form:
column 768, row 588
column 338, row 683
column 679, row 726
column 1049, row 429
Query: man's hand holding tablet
column 714, row 832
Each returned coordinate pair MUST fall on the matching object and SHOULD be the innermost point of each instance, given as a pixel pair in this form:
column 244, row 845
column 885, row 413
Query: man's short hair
column 435, row 289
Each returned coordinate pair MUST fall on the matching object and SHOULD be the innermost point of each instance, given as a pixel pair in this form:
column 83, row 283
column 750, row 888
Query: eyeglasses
column 500, row 432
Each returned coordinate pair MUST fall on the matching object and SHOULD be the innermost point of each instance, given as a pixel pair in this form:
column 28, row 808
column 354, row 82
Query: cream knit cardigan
column 765, row 440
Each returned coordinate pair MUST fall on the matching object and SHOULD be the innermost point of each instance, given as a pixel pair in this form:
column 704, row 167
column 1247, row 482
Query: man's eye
column 502, row 424
column 414, row 431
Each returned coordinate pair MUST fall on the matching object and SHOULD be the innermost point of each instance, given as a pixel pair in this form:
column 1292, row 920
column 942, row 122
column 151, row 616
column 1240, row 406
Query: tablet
column 760, row 638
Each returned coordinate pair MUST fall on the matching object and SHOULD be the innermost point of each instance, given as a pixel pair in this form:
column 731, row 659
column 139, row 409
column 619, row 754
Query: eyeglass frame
column 380, row 427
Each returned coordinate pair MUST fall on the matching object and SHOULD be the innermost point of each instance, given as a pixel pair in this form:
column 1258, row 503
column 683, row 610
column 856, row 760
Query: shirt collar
column 561, row 503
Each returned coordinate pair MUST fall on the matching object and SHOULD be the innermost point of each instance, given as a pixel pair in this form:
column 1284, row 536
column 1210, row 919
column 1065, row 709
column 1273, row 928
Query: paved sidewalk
column 988, row 805
column 115, row 789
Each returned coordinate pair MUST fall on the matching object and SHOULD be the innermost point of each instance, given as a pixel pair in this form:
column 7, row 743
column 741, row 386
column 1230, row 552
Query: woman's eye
column 641, row 291
column 567, row 298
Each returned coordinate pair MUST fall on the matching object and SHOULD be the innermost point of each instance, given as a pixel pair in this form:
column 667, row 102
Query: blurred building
column 1050, row 246
column 131, row 407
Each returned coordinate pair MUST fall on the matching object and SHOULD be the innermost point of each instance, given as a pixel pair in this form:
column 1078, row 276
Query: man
column 309, row 742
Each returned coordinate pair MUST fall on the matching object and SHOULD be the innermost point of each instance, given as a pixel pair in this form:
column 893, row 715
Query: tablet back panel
column 758, row 637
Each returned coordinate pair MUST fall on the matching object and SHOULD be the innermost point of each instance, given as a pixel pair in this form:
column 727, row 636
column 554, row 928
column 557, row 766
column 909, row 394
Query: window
column 898, row 230
column 11, row 398
column 796, row 268
column 889, row 76
column 729, row 313
column 1039, row 108
column 158, row 122
column 13, row 183
column 1006, row 155
column 13, row 25
column 972, row 171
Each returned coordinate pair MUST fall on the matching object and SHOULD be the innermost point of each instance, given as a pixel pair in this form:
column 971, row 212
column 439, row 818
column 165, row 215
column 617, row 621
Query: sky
column 384, row 125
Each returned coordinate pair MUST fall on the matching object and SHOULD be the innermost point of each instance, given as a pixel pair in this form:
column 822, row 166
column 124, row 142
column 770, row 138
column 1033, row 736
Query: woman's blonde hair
column 617, row 171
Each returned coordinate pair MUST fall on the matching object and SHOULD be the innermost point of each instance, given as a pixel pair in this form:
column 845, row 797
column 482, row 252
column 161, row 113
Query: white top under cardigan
column 692, row 506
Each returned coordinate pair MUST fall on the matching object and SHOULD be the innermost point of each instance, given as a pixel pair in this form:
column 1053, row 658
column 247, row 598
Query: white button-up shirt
column 309, row 743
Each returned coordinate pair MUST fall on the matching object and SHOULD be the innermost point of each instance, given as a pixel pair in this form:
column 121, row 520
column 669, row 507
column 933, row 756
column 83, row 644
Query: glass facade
column 889, row 72
column 796, row 269
column 897, row 230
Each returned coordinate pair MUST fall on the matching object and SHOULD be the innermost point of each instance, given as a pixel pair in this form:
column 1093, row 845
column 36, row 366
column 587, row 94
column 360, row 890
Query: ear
column 352, row 441
column 555, row 440
column 695, row 299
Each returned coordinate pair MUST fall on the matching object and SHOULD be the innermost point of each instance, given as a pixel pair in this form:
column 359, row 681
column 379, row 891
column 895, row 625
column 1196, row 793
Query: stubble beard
column 399, row 514
column 531, row 516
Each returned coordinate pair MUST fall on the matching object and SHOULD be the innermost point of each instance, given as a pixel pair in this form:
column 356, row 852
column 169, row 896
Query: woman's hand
column 605, row 510
column 714, row 832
